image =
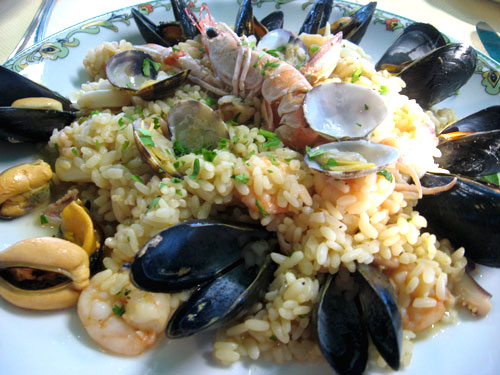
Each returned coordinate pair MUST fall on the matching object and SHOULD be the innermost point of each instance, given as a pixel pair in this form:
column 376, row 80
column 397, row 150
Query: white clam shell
column 379, row 154
column 344, row 110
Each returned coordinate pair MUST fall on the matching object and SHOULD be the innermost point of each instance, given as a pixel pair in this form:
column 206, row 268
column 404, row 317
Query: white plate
column 56, row 343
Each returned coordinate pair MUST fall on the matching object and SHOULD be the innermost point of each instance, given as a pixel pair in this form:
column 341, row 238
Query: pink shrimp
column 248, row 72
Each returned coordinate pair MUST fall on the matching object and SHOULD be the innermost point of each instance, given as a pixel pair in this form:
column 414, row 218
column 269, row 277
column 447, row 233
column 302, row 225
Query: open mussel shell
column 195, row 125
column 317, row 17
column 439, row 74
column 343, row 110
column 471, row 146
column 188, row 254
column 136, row 72
column 189, row 29
column 354, row 27
column 224, row 299
column 244, row 24
column 468, row 214
column 416, row 41
column 165, row 34
column 342, row 337
column 352, row 159
column 155, row 149
column 29, row 124
column 379, row 304
column 273, row 20
column 43, row 273
column 24, row 187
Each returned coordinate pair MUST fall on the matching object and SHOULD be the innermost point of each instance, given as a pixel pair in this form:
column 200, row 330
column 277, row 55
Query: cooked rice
column 322, row 224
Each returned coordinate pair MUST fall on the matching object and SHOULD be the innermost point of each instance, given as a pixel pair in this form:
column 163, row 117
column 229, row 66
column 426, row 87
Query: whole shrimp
column 126, row 321
column 247, row 72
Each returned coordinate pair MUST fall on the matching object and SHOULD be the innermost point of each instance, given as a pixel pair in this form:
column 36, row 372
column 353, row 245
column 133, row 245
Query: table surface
column 456, row 18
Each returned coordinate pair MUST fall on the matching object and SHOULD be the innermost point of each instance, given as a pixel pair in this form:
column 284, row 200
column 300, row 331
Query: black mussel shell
column 151, row 32
column 14, row 86
column 341, row 334
column 193, row 252
column 189, row 29
column 484, row 120
column 317, row 17
column 380, row 312
column 354, row 28
column 273, row 20
column 244, row 24
column 468, row 215
column 439, row 74
column 226, row 298
column 31, row 125
column 417, row 40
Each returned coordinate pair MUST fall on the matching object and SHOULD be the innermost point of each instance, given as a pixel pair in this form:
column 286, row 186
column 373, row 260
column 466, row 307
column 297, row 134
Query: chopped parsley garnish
column 355, row 76
column 118, row 310
column 223, row 142
column 196, row 169
column 359, row 124
column 146, row 137
column 156, row 122
column 162, row 185
column 366, row 107
column 147, row 63
column 269, row 65
column 138, row 110
column 125, row 145
column 386, row 174
column 273, row 160
column 125, row 291
column 261, row 210
column 316, row 153
column 267, row 134
column 178, row 192
column 331, row 162
column 136, row 178
column 493, row 178
column 43, row 219
column 208, row 155
column 94, row 112
column 74, row 151
column 383, row 90
column 256, row 63
column 272, row 142
column 176, row 165
column 231, row 122
column 175, row 180
column 243, row 178
column 97, row 145
column 210, row 101
column 154, row 203
column 273, row 338
column 128, row 117
column 314, row 49
column 179, row 149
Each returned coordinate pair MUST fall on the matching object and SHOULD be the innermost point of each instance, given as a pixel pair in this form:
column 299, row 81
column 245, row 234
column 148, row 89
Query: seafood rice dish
column 279, row 187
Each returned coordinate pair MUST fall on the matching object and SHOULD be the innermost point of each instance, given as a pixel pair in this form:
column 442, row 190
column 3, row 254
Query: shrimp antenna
column 193, row 18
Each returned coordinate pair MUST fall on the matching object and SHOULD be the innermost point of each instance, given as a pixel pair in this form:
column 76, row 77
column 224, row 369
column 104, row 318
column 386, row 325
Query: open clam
column 136, row 72
column 24, row 187
column 354, row 26
column 43, row 273
column 286, row 45
column 351, row 159
column 343, row 110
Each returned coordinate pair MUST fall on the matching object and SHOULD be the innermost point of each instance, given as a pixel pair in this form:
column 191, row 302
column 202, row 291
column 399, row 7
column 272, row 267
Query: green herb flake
column 162, row 185
column 273, row 52
column 267, row 134
column 223, row 142
column 281, row 48
column 273, row 338
column 314, row 49
column 120, row 122
column 147, row 63
column 176, row 164
column 386, row 174
column 154, row 203
column 269, row 65
column 302, row 316
column 136, row 178
column 196, row 169
column 355, row 76
column 242, row 178
column 383, row 90
column 261, row 210
column 331, row 162
column 316, row 153
column 138, row 110
column 210, row 101
column 129, row 117
column 43, row 219
column 74, row 151
column 146, row 137
column 176, row 180
column 408, row 219
column 118, row 310
column 366, row 107
column 232, row 123
column 272, row 142
column 156, row 122
column 179, row 149
column 125, row 145
column 273, row 160
column 288, row 160
column 93, row 113
column 308, row 148
column 97, row 145
column 178, row 192
column 208, row 155
column 359, row 124
column 493, row 178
